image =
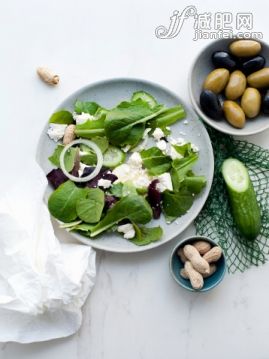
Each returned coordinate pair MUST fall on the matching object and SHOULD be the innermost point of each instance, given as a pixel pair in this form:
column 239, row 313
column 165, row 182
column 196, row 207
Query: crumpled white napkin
column 43, row 283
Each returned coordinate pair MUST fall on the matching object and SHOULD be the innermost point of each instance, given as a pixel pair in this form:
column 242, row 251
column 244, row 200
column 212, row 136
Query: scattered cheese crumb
column 165, row 182
column 194, row 148
column 82, row 118
column 82, row 166
column 161, row 145
column 135, row 160
column 185, row 122
column 105, row 183
column 158, row 133
column 56, row 131
column 127, row 230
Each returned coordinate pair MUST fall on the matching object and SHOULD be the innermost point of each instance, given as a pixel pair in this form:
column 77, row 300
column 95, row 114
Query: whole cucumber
column 244, row 205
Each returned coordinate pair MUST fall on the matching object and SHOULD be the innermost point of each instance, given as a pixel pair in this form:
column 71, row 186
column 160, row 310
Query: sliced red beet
column 154, row 198
column 56, row 177
column 110, row 201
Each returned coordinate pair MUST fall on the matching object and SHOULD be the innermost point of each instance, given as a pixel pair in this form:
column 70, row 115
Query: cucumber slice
column 145, row 97
column 244, row 205
column 113, row 157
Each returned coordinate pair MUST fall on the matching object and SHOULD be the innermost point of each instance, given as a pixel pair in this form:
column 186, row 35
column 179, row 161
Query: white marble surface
column 136, row 310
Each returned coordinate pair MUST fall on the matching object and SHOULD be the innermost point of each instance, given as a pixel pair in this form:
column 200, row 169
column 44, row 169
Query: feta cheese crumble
column 185, row 122
column 82, row 118
column 127, row 230
column 133, row 171
column 194, row 148
column 56, row 131
column 165, row 182
column 135, row 160
column 105, row 183
column 161, row 145
column 158, row 133
column 82, row 166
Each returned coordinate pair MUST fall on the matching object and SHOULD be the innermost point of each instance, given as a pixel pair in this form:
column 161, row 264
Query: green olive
column 245, row 48
column 234, row 114
column 259, row 79
column 216, row 80
column 236, row 85
column 251, row 102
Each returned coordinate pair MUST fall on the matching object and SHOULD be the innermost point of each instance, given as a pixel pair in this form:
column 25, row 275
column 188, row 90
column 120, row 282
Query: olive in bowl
column 197, row 264
column 247, row 64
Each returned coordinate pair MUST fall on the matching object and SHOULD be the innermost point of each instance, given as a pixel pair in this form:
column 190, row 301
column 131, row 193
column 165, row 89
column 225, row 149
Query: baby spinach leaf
column 70, row 225
column 135, row 135
column 90, row 209
column 176, row 204
column 123, row 189
column 155, row 161
column 62, row 202
column 132, row 207
column 69, row 158
column 62, row 117
column 194, row 184
column 120, row 121
column 91, row 128
column 180, row 167
column 86, row 107
column 184, row 150
column 87, row 155
column 116, row 190
column 168, row 117
column 146, row 235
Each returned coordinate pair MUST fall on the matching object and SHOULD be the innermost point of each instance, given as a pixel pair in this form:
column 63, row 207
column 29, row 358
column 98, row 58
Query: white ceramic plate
column 108, row 94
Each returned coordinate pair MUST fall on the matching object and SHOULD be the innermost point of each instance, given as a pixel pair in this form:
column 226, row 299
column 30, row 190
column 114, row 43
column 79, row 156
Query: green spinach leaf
column 90, row 209
column 132, row 207
column 87, row 155
column 146, row 235
column 175, row 204
column 121, row 120
column 168, row 117
column 91, row 128
column 86, row 107
column 180, row 167
column 69, row 158
column 155, row 161
column 194, row 184
column 62, row 202
column 62, row 117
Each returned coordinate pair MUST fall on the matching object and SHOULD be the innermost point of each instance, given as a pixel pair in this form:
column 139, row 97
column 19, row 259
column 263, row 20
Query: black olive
column 210, row 104
column 252, row 65
column 224, row 59
column 265, row 103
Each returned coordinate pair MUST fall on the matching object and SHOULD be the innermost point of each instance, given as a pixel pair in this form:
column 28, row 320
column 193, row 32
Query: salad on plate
column 120, row 169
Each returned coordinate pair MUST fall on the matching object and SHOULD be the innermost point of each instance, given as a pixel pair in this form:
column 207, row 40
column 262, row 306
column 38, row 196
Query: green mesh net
column 216, row 221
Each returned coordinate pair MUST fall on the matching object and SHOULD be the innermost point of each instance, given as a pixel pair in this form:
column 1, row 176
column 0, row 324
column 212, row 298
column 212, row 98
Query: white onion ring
column 99, row 164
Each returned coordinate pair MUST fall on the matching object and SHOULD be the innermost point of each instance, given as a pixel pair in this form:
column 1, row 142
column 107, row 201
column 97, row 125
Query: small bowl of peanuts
column 197, row 264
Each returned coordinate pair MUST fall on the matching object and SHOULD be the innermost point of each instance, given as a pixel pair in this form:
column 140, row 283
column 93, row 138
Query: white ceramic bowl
column 201, row 67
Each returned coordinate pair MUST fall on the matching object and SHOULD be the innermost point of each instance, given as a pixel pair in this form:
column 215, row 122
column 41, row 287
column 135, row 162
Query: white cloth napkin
column 43, row 283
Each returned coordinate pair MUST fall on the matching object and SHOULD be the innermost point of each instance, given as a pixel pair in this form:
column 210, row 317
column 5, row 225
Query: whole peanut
column 213, row 269
column 213, row 255
column 181, row 255
column 202, row 246
column 198, row 262
column 48, row 76
column 195, row 277
column 69, row 134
